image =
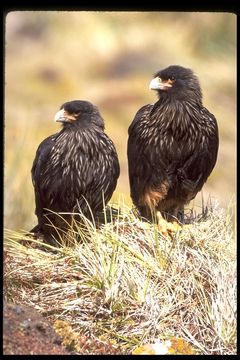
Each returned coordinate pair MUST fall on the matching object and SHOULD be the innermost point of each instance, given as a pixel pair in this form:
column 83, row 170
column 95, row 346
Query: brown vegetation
column 125, row 285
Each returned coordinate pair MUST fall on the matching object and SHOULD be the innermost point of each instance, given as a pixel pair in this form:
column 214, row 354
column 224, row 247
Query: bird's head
column 79, row 113
column 177, row 82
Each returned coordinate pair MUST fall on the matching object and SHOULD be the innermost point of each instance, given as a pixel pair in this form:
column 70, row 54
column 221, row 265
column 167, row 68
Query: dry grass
column 127, row 285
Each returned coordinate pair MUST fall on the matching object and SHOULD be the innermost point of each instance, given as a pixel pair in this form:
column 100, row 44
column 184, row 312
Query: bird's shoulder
column 47, row 143
column 43, row 151
column 140, row 116
column 207, row 115
column 200, row 113
column 210, row 125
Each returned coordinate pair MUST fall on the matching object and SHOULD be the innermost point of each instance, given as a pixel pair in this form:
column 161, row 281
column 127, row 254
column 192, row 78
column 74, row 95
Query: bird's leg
column 162, row 223
column 174, row 225
column 180, row 214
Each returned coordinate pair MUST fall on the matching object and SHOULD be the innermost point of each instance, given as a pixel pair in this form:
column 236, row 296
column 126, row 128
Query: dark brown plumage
column 172, row 145
column 75, row 170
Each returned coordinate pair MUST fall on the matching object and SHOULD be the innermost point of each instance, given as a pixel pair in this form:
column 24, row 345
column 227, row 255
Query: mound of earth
column 26, row 332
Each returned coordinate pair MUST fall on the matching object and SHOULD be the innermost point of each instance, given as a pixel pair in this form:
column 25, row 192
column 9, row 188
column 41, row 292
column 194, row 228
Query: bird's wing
column 200, row 163
column 41, row 158
column 134, row 145
column 103, row 172
column 142, row 168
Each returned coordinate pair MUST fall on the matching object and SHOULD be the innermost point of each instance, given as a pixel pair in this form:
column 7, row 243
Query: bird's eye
column 172, row 78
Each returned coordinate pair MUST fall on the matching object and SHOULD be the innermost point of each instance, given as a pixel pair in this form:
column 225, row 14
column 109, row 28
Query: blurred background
column 109, row 58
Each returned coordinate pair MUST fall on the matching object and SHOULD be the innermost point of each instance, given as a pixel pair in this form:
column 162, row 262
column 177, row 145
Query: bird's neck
column 175, row 116
column 172, row 108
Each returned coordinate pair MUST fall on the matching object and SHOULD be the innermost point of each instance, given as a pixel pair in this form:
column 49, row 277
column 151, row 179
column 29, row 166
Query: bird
column 75, row 170
column 172, row 148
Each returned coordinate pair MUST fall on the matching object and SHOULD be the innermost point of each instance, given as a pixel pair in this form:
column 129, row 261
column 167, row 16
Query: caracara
column 172, row 147
column 74, row 171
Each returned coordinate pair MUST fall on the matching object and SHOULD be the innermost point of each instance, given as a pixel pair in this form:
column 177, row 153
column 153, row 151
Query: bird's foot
column 168, row 228
column 162, row 226
column 174, row 227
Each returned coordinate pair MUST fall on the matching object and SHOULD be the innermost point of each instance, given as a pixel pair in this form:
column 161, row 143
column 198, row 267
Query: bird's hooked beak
column 158, row 84
column 64, row 117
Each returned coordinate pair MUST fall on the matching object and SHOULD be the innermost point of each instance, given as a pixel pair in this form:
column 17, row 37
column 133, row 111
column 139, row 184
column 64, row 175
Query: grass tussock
column 126, row 285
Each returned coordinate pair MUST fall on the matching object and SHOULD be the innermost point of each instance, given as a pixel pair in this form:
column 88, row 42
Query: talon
column 162, row 227
column 162, row 224
column 174, row 227
column 165, row 227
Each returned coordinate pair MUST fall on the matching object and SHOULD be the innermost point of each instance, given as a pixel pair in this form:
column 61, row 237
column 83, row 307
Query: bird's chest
column 70, row 155
column 171, row 141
